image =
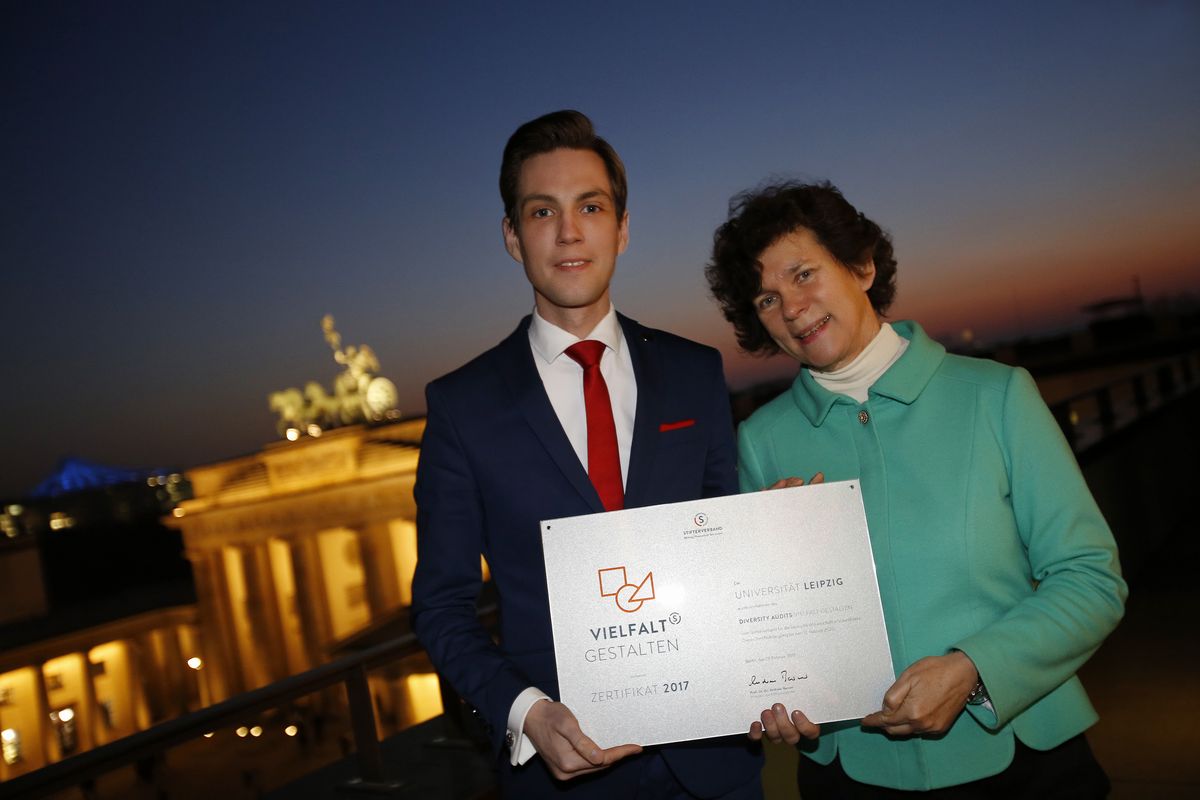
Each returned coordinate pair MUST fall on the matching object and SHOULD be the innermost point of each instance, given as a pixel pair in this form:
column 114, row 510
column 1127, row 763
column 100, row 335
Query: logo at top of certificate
column 629, row 597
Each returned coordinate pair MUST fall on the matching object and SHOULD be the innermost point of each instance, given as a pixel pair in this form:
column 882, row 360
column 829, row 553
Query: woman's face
column 815, row 308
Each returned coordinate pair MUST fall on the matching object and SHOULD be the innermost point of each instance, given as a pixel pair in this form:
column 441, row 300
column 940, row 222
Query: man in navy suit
column 506, row 445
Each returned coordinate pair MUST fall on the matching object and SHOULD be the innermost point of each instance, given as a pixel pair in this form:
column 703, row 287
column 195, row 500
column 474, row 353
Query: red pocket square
column 673, row 426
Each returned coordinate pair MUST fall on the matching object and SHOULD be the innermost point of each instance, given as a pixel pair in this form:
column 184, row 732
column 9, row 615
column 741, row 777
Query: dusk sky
column 188, row 187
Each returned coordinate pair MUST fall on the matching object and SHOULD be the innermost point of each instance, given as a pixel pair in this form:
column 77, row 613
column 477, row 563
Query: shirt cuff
column 520, row 748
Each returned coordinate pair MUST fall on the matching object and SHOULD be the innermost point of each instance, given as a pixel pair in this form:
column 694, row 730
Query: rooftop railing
column 1091, row 416
column 350, row 671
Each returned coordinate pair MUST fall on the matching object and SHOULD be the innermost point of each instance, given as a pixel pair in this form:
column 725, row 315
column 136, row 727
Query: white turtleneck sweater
column 856, row 378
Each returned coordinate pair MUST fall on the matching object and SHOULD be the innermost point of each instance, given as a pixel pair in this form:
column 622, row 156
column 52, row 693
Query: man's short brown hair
column 559, row 129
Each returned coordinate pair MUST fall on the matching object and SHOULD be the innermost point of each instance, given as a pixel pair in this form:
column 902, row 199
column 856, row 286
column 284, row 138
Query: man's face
column 567, row 236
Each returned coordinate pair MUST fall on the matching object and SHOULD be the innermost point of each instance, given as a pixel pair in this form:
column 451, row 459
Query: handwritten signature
column 784, row 677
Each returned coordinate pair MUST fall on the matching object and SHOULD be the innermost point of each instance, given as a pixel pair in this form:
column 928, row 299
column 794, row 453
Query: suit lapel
column 642, row 453
column 521, row 376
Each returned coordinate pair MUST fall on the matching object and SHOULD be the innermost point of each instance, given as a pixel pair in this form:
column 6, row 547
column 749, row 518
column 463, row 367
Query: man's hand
column 776, row 725
column 786, row 483
column 567, row 751
column 927, row 697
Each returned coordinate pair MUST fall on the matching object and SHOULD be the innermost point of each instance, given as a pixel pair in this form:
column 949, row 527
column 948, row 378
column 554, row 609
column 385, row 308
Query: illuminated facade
column 301, row 546
column 294, row 550
column 97, row 616
column 73, row 692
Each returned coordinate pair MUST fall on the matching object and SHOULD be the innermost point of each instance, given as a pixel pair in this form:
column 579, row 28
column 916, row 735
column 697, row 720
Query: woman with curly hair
column 998, row 575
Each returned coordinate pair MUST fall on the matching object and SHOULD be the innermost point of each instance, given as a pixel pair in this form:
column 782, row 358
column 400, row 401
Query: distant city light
column 208, row 735
column 256, row 731
column 242, row 731
column 292, row 434
column 178, row 512
column 291, row 730
column 195, row 663
column 15, row 510
column 60, row 520
column 11, row 745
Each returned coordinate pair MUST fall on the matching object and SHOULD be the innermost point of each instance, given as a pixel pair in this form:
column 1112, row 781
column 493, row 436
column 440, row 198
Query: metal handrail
column 351, row 670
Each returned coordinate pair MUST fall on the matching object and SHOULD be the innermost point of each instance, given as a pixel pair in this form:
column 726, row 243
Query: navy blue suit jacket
column 495, row 461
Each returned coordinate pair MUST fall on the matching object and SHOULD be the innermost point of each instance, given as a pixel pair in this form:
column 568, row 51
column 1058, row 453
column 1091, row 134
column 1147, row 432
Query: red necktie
column 604, row 462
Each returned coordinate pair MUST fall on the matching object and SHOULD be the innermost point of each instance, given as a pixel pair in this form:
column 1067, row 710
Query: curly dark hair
column 761, row 217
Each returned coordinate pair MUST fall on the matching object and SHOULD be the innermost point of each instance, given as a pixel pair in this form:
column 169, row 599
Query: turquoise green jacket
column 986, row 540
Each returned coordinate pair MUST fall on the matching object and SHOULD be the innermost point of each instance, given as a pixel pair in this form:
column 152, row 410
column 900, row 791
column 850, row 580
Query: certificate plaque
column 684, row 621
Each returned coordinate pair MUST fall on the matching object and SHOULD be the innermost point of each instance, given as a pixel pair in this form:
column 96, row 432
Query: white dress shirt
column 562, row 378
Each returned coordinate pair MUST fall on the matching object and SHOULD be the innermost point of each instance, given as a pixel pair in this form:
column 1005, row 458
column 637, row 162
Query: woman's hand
column 780, row 728
column 927, row 697
column 787, row 483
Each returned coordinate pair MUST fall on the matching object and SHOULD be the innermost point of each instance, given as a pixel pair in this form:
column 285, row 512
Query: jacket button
column 864, row 417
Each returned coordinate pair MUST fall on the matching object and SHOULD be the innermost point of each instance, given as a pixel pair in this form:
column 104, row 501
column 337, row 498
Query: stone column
column 50, row 749
column 175, row 671
column 216, row 626
column 379, row 568
column 311, row 602
column 150, row 671
column 263, row 612
column 90, row 729
column 292, row 631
